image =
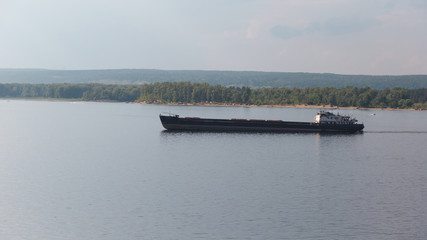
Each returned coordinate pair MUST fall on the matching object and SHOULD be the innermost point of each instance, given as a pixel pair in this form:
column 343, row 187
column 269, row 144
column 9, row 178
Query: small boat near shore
column 323, row 122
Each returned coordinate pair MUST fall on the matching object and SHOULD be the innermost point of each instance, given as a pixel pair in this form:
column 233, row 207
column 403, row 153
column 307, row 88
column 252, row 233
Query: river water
column 77, row 170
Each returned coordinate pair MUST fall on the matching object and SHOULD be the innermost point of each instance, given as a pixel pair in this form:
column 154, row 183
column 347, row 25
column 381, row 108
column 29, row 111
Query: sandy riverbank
column 326, row 107
column 281, row 106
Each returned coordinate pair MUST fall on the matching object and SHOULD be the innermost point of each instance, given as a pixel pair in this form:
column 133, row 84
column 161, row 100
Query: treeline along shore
column 203, row 93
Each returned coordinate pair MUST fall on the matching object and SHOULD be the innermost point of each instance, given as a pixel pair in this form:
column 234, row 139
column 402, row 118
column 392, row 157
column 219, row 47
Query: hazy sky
column 338, row 36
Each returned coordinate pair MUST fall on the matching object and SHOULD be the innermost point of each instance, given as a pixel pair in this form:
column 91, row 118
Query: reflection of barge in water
column 323, row 122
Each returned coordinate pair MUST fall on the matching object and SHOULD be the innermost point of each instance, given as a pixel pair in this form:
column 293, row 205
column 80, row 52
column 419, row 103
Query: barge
column 323, row 122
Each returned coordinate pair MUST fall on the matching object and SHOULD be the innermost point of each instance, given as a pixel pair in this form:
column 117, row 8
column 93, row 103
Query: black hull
column 175, row 123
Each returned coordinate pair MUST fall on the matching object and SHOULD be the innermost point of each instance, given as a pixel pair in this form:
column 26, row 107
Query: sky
column 375, row 37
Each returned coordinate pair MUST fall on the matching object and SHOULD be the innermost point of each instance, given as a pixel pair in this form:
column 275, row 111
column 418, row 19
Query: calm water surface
column 72, row 170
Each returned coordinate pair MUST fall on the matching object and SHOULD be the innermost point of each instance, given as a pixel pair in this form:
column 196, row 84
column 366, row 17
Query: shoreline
column 298, row 106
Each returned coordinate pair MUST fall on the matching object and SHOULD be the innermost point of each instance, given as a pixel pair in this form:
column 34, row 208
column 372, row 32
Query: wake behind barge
column 323, row 122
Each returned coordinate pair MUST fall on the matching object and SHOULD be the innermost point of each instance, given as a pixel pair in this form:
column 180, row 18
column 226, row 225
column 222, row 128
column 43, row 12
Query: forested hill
column 224, row 78
column 203, row 93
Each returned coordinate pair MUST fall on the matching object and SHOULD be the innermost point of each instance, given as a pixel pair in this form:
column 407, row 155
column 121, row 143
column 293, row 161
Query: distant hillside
column 225, row 78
